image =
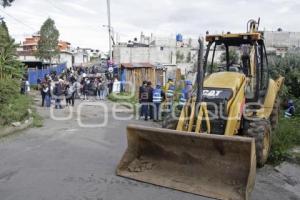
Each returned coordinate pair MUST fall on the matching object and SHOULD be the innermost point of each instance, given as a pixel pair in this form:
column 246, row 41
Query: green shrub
column 15, row 110
column 13, row 106
column 288, row 67
column 8, row 90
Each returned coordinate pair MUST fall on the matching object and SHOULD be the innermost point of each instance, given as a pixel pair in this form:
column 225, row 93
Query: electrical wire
column 17, row 20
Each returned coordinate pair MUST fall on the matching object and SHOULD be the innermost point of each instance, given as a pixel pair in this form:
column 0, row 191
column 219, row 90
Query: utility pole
column 109, row 30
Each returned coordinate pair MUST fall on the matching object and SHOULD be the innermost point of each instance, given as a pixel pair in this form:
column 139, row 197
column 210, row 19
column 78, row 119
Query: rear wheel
column 274, row 117
column 261, row 131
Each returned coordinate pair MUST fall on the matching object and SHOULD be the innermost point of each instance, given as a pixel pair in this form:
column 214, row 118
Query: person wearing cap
column 158, row 97
column 169, row 90
column 185, row 93
column 290, row 112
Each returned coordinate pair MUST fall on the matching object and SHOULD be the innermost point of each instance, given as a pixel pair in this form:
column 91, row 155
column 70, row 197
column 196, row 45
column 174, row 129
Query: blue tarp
column 35, row 74
column 123, row 79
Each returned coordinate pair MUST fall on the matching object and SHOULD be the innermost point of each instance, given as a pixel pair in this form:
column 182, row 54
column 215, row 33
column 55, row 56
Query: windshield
column 238, row 59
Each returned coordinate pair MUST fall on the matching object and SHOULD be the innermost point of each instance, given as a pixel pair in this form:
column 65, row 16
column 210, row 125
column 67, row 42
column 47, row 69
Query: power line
column 54, row 5
column 17, row 20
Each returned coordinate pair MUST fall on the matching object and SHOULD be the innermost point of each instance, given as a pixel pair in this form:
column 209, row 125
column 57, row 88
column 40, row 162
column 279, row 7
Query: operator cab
column 239, row 53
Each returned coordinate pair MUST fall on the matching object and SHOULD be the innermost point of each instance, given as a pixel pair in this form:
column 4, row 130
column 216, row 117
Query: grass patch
column 284, row 139
column 14, row 107
column 122, row 98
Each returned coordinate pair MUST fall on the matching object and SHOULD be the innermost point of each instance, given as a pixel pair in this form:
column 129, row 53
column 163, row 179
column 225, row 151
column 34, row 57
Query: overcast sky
column 80, row 21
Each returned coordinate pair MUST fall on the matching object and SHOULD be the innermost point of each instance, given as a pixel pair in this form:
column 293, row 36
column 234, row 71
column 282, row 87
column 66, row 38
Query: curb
column 11, row 130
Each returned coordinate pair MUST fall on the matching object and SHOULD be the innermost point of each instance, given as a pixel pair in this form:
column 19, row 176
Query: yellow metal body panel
column 203, row 112
column 187, row 119
column 268, row 104
column 252, row 36
column 184, row 119
column 236, row 111
column 230, row 80
column 192, row 117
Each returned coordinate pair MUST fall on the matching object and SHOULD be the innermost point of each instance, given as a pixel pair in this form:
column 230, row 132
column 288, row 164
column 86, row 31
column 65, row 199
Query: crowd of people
column 73, row 84
column 87, row 84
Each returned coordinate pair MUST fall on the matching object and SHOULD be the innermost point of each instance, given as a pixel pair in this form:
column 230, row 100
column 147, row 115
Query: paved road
column 64, row 161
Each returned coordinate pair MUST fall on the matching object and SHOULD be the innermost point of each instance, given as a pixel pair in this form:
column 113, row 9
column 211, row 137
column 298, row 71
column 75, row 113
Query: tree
column 10, row 67
column 233, row 56
column 48, row 44
column 189, row 57
column 5, row 3
column 288, row 67
column 179, row 57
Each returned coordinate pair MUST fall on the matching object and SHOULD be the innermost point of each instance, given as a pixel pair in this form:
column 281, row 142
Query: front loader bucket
column 221, row 167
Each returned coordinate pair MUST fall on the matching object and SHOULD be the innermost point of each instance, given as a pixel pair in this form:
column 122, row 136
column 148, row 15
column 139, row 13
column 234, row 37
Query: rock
column 16, row 124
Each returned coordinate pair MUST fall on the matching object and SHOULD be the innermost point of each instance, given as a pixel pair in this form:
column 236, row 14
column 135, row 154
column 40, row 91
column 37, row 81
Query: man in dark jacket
column 150, row 99
column 140, row 91
column 144, row 100
column 58, row 91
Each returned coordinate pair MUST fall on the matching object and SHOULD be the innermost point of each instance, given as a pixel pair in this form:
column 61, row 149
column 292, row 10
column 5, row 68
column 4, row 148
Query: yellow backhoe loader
column 224, row 131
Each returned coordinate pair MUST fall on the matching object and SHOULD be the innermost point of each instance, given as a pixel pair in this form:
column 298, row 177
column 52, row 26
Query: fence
column 35, row 74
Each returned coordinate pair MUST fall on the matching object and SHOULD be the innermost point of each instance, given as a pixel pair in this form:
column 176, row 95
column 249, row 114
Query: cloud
column 284, row 10
column 79, row 8
column 80, row 21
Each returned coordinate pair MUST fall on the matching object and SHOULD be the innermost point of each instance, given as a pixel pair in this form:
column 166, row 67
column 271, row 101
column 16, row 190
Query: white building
column 154, row 50
column 66, row 57
column 151, row 54
column 80, row 56
column 280, row 42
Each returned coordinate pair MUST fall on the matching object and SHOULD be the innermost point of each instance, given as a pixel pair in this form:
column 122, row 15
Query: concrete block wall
column 153, row 54
column 282, row 39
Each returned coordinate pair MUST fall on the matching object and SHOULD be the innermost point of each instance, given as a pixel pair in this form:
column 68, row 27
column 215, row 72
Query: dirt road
column 64, row 161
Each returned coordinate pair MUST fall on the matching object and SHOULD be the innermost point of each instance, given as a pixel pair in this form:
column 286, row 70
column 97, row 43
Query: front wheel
column 260, row 130
column 169, row 122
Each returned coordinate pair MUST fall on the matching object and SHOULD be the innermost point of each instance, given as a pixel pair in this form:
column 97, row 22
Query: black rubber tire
column 260, row 130
column 274, row 117
column 169, row 122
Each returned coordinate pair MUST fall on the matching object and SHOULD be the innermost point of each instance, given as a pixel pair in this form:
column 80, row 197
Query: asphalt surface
column 65, row 161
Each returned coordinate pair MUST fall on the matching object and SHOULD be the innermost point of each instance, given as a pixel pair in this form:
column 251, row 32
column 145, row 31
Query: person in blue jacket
column 185, row 93
column 290, row 111
column 157, row 98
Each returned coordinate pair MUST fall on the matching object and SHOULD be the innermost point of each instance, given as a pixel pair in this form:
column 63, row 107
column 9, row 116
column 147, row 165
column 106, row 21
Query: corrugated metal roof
column 137, row 65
